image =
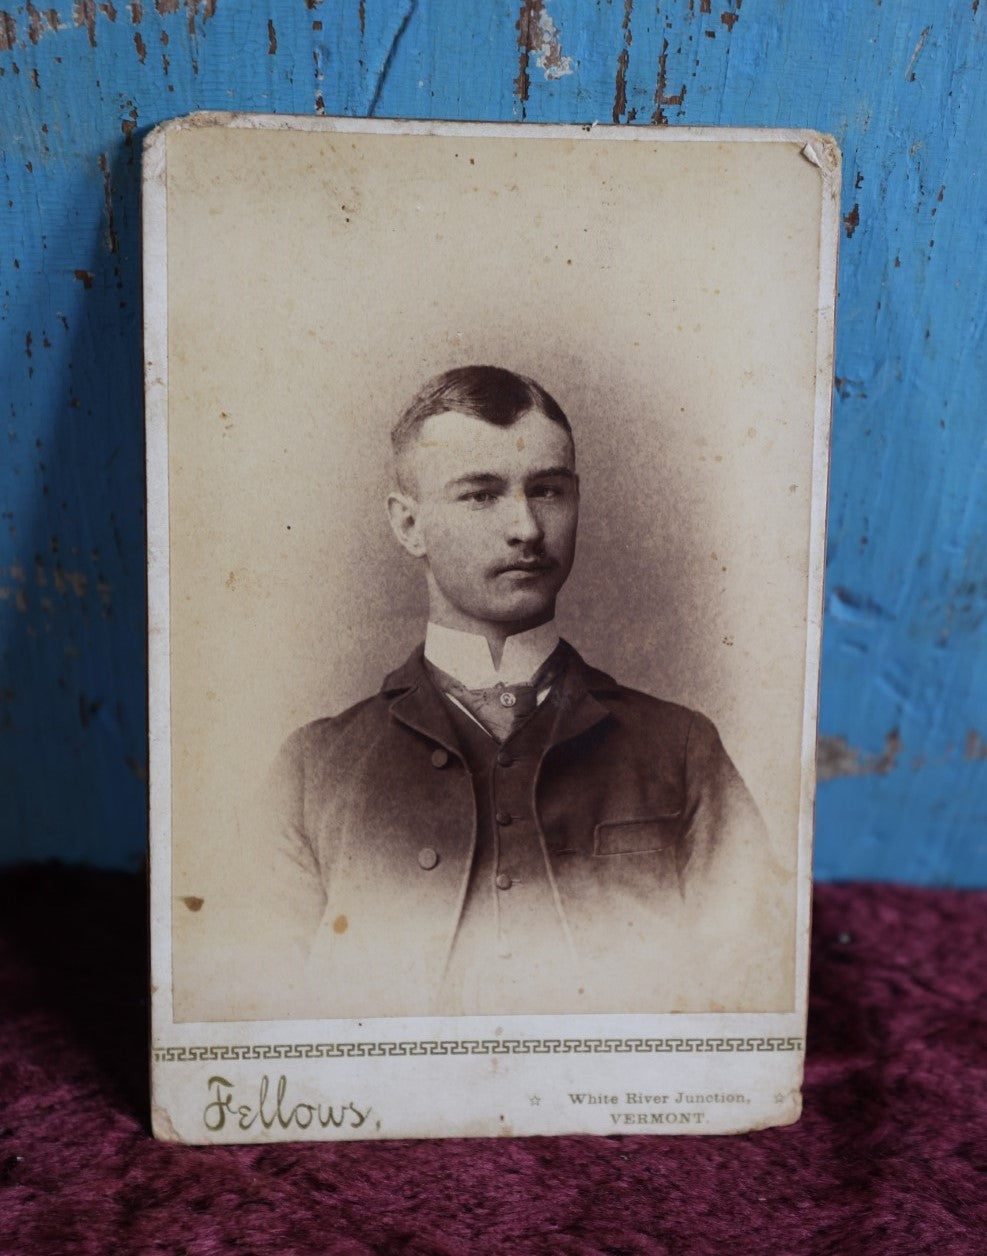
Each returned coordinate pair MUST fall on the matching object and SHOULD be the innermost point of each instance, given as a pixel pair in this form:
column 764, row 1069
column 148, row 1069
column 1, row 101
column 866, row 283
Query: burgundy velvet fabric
column 890, row 1155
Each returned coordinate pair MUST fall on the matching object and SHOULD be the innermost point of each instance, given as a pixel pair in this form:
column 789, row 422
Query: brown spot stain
column 193, row 903
column 363, row 17
column 620, row 87
column 340, row 924
column 138, row 768
column 835, row 757
column 84, row 14
column 193, row 9
column 623, row 60
column 272, row 38
column 33, row 24
column 851, row 221
column 109, row 11
column 85, row 277
column 661, row 97
column 76, row 579
column 975, row 747
column 111, row 235
column 729, row 20
column 528, row 27
column 8, row 32
column 141, row 47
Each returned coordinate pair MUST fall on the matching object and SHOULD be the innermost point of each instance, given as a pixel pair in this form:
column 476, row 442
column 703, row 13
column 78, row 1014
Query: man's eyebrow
column 475, row 477
column 488, row 478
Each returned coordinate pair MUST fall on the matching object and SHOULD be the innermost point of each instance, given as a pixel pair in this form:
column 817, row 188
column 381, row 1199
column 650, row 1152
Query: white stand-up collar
column 466, row 655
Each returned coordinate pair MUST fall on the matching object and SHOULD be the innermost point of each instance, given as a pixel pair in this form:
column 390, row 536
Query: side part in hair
column 490, row 393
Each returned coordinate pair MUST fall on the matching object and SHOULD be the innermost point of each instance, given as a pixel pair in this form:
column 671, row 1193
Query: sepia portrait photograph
column 486, row 496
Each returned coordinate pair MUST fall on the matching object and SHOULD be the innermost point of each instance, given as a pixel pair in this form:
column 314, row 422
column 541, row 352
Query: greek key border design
column 469, row 1046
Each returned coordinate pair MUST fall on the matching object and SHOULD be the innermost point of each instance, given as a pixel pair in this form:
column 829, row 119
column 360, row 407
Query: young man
column 503, row 828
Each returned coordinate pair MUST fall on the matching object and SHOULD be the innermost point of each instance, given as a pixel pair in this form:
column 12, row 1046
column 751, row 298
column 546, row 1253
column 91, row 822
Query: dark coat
column 646, row 823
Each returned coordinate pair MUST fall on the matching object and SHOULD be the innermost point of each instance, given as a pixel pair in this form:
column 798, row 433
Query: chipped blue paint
column 904, row 89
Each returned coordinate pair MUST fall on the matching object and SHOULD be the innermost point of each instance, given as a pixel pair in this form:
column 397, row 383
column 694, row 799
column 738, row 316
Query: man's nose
column 523, row 522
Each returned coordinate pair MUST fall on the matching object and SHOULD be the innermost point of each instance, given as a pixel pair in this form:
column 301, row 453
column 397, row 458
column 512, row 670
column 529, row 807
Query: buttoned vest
column 512, row 928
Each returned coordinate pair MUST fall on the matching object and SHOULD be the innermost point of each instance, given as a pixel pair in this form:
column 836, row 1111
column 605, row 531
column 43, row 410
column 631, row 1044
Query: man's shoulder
column 357, row 719
column 660, row 724
column 648, row 705
column 670, row 736
column 360, row 722
column 641, row 713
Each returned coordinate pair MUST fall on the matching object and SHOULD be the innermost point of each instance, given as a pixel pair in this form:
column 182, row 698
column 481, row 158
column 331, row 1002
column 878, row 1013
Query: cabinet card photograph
column 486, row 503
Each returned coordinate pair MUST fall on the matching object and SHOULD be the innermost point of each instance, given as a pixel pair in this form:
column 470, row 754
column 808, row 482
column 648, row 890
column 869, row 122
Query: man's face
column 493, row 510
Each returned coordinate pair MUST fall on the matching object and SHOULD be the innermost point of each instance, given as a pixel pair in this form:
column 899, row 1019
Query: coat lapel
column 418, row 705
column 581, row 697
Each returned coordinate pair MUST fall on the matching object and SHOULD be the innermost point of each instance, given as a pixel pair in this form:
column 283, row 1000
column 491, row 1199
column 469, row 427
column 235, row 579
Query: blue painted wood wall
column 903, row 87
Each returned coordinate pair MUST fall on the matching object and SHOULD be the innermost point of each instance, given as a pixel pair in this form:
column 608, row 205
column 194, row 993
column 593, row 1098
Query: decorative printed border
column 471, row 1046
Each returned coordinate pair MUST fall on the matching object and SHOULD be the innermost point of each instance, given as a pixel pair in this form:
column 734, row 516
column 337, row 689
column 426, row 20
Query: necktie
column 501, row 708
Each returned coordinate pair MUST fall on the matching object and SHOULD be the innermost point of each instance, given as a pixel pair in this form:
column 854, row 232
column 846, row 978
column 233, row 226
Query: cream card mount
column 486, row 478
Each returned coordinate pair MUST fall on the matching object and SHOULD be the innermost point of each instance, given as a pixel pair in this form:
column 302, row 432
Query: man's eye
column 478, row 496
column 546, row 490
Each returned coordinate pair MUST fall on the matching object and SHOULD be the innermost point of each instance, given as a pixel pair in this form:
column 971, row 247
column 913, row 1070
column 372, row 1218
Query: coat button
column 427, row 858
column 504, row 758
column 503, row 818
column 440, row 758
column 504, row 882
column 507, row 699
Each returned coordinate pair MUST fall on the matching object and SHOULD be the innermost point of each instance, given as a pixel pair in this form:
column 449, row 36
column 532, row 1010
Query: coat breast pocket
column 648, row 835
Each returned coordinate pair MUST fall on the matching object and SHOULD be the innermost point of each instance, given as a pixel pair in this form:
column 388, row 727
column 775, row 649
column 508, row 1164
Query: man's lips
column 533, row 568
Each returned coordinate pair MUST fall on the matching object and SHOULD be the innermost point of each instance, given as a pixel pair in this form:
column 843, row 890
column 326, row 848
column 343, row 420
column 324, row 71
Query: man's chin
column 521, row 609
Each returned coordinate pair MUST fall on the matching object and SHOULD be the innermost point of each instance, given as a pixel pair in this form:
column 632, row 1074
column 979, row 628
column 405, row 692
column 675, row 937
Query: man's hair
column 490, row 393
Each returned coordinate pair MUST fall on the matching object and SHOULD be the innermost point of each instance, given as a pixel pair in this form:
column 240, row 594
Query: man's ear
column 402, row 511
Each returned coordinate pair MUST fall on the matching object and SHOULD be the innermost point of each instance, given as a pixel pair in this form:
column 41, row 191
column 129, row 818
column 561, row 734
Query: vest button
column 427, row 858
column 504, row 882
column 440, row 758
column 507, row 699
column 503, row 817
column 504, row 759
